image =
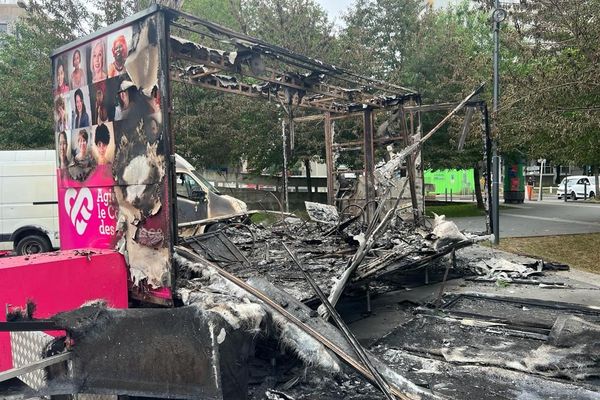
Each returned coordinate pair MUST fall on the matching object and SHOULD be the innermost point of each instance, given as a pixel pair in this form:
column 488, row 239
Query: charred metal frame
column 253, row 68
column 334, row 91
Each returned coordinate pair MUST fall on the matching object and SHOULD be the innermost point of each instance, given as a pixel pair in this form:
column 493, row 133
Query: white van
column 198, row 200
column 28, row 201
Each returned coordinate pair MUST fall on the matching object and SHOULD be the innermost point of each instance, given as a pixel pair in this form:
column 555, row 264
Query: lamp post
column 498, row 16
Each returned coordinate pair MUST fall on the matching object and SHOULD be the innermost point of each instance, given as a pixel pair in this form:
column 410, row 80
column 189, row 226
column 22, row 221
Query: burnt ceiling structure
column 251, row 67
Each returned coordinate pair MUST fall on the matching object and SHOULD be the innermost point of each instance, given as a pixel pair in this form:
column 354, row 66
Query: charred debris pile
column 339, row 252
column 266, row 280
column 262, row 279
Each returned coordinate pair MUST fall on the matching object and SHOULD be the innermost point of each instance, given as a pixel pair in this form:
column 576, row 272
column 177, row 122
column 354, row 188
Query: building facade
column 10, row 11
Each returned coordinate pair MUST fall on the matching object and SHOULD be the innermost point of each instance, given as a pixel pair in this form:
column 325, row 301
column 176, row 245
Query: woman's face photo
column 62, row 145
column 98, row 58
column 119, row 52
column 76, row 59
column 124, row 96
column 79, row 104
column 60, row 75
column 154, row 127
column 101, row 149
column 82, row 145
column 61, row 112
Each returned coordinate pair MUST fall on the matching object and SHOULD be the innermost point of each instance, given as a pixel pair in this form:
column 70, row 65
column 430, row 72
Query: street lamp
column 498, row 15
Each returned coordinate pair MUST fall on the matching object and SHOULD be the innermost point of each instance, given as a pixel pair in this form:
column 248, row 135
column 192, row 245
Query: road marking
column 568, row 221
column 567, row 204
column 515, row 206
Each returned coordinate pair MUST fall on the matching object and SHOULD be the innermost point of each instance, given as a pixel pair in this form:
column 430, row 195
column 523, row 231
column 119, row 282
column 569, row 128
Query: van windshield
column 205, row 182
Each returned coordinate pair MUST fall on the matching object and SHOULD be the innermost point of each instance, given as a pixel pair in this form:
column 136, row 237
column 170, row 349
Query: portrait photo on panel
column 63, row 149
column 62, row 111
column 101, row 104
column 103, row 138
column 61, row 75
column 80, row 106
column 82, row 162
column 78, row 67
column 118, row 45
column 98, row 60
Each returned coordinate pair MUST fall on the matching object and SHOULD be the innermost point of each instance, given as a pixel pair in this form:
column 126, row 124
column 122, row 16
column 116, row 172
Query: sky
column 335, row 8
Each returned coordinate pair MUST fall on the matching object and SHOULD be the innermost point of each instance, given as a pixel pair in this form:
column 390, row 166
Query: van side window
column 181, row 188
column 186, row 185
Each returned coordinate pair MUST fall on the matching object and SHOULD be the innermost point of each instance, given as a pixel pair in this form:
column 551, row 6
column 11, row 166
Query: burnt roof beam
column 239, row 88
column 346, row 102
column 278, row 52
column 193, row 52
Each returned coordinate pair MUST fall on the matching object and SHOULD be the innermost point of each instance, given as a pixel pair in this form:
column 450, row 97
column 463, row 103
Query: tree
column 441, row 54
column 378, row 35
column 450, row 55
column 551, row 87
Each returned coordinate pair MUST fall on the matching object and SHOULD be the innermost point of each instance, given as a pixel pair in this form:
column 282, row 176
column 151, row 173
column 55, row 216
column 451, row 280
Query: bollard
column 450, row 195
column 584, row 190
column 565, row 195
column 446, row 195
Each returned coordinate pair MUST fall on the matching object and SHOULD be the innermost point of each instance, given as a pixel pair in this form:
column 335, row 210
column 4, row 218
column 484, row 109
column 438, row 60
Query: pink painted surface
column 163, row 293
column 87, row 212
column 57, row 282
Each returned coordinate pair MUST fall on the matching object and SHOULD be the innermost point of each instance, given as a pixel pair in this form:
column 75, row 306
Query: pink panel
column 60, row 281
column 87, row 214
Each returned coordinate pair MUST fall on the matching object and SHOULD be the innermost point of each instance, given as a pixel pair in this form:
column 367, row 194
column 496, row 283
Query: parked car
column 578, row 187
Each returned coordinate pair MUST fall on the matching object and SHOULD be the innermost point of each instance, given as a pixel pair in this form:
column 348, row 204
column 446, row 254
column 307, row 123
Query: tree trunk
column 477, row 181
column 308, row 179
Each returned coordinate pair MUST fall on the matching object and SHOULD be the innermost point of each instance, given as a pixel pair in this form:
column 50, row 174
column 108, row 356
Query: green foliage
column 551, row 88
column 25, row 89
column 550, row 75
column 378, row 35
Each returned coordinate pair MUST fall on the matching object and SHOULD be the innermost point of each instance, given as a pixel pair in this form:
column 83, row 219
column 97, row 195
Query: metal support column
column 497, row 17
column 410, row 165
column 284, row 190
column 496, row 196
column 368, row 120
column 488, row 167
column 329, row 159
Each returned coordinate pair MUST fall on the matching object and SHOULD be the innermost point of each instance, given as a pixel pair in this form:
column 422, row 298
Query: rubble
column 460, row 337
column 325, row 254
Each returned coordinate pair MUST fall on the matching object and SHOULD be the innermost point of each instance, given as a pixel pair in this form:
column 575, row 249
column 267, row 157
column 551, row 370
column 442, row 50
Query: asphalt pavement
column 548, row 217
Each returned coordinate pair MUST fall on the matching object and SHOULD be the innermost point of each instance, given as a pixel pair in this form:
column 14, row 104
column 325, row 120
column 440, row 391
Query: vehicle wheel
column 592, row 195
column 573, row 196
column 32, row 244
